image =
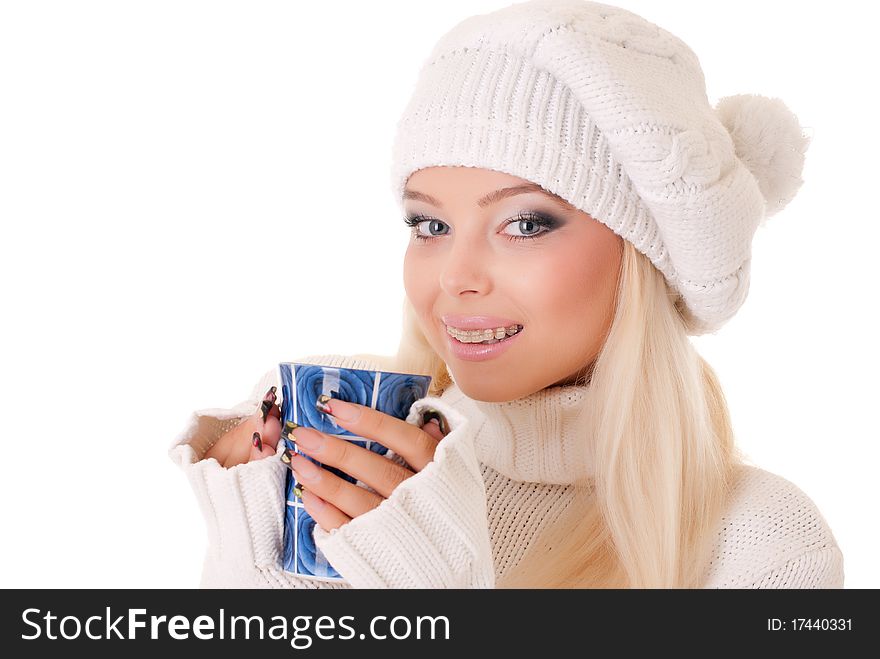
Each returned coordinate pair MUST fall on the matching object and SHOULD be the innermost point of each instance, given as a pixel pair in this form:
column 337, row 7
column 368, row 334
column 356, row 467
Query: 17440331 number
column 809, row 624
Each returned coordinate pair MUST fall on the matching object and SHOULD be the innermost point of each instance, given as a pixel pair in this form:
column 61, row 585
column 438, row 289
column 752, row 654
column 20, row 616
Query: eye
column 523, row 220
column 415, row 221
column 536, row 220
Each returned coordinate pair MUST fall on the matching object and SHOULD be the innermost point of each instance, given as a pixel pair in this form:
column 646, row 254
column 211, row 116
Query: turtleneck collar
column 542, row 437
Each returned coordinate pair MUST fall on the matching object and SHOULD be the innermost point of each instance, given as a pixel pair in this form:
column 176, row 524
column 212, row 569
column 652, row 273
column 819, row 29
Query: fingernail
column 289, row 427
column 306, row 469
column 321, row 404
column 258, row 442
column 270, row 395
column 298, row 490
column 266, row 405
column 285, row 457
column 346, row 411
column 314, row 500
column 430, row 414
column 308, row 439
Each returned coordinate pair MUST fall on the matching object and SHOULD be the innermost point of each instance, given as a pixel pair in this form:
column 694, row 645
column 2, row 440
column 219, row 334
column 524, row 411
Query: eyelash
column 547, row 223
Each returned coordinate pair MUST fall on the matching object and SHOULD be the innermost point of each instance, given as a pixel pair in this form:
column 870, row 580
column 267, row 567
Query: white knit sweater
column 503, row 472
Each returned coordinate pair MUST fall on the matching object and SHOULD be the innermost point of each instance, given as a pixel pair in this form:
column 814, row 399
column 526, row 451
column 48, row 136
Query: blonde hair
column 664, row 450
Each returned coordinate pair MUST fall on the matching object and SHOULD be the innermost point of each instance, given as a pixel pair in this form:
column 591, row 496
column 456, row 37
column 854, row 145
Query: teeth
column 476, row 336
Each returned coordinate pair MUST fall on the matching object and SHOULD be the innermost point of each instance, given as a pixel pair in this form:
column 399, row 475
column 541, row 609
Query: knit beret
column 610, row 112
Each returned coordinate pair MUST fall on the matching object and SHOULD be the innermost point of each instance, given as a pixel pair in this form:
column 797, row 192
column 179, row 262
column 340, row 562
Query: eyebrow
column 494, row 196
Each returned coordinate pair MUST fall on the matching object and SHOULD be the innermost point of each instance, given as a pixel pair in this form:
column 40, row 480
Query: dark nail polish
column 265, row 406
column 285, row 457
column 298, row 490
column 431, row 414
column 258, row 442
column 289, row 427
column 321, row 404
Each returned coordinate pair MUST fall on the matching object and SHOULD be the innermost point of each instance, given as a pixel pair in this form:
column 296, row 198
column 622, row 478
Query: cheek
column 418, row 283
column 411, row 276
column 574, row 289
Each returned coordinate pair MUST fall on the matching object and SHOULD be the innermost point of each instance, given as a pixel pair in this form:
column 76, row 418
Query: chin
column 487, row 391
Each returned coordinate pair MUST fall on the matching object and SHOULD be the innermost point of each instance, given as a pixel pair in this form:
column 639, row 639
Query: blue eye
column 543, row 222
column 414, row 221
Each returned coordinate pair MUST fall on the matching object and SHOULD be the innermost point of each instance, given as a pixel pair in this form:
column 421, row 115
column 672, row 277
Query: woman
column 572, row 195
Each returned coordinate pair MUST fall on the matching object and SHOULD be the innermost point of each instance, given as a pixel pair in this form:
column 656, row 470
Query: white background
column 191, row 192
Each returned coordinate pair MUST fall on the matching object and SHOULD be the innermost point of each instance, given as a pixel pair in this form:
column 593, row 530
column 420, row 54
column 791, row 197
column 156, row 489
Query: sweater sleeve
column 243, row 506
column 431, row 532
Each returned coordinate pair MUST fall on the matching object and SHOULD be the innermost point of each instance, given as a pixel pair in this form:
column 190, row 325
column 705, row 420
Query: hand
column 254, row 438
column 332, row 501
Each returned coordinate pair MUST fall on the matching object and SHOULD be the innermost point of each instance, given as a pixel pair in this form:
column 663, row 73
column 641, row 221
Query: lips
column 478, row 352
column 477, row 322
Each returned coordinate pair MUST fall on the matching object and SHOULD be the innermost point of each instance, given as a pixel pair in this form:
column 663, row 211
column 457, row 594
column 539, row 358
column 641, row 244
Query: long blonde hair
column 663, row 445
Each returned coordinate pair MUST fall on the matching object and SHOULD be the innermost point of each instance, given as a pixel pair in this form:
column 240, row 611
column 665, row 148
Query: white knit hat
column 609, row 112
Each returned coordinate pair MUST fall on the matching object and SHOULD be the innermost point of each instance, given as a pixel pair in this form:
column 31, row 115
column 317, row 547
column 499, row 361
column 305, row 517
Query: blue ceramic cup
column 301, row 386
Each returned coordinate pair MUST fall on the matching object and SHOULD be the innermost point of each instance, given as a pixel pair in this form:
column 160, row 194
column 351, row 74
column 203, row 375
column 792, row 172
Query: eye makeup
column 545, row 222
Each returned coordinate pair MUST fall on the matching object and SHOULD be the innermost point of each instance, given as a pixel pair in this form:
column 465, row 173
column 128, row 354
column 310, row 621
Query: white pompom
column 768, row 138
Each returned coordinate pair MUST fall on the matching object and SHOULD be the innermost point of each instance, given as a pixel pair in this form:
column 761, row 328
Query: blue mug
column 301, row 386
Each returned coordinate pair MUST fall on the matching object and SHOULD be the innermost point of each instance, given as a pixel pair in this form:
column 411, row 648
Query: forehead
column 484, row 186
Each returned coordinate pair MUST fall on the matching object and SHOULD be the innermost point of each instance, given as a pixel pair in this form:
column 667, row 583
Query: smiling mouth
column 487, row 337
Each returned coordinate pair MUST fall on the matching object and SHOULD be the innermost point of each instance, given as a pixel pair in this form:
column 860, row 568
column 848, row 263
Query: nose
column 466, row 269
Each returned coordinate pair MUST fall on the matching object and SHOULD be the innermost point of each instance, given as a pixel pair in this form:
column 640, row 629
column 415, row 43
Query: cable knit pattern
column 502, row 474
column 610, row 112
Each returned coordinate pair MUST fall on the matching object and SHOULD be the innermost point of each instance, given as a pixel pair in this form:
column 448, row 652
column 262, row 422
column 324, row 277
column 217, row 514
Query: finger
column 271, row 430
column 256, row 448
column 325, row 514
column 234, row 447
column 259, row 448
column 347, row 497
column 269, row 400
column 222, row 447
column 367, row 466
column 240, row 446
column 433, row 429
column 406, row 439
column 268, row 408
